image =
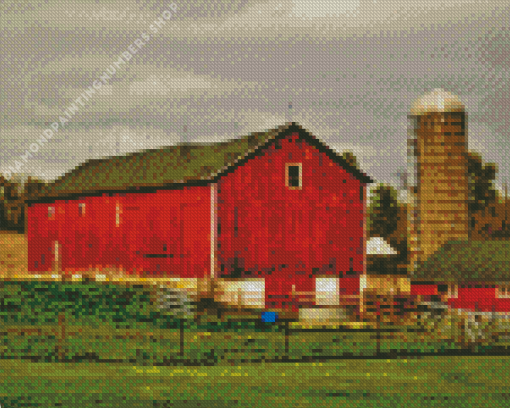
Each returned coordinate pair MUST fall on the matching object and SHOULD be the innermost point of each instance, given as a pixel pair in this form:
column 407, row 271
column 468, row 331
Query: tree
column 492, row 222
column 481, row 179
column 387, row 218
column 482, row 197
column 383, row 212
column 3, row 219
column 503, row 213
column 13, row 201
column 10, row 198
column 399, row 238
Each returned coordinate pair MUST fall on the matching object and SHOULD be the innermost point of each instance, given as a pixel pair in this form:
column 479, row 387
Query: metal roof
column 177, row 166
column 464, row 261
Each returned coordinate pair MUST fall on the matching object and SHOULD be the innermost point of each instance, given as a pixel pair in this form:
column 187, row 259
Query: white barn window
column 81, row 209
column 51, row 212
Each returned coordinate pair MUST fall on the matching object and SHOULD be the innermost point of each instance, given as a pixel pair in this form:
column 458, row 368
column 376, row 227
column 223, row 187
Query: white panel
column 245, row 293
column 333, row 315
column 363, row 282
column 327, row 291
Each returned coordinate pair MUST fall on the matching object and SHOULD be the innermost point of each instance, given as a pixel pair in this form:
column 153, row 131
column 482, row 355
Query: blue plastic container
column 269, row 317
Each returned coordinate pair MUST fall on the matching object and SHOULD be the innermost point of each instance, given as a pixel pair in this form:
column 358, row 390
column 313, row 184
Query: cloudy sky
column 219, row 69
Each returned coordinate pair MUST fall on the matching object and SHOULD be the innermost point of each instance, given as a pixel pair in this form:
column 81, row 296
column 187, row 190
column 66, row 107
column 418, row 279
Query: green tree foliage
column 13, row 201
column 387, row 218
column 3, row 220
column 12, row 205
column 481, row 179
column 482, row 193
column 383, row 212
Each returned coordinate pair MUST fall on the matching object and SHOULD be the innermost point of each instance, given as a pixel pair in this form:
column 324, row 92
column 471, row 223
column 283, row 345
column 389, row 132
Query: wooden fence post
column 181, row 340
column 293, row 293
column 378, row 329
column 62, row 335
column 287, row 340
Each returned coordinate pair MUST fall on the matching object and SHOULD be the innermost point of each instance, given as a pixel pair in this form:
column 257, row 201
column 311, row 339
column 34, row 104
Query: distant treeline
column 488, row 214
column 13, row 197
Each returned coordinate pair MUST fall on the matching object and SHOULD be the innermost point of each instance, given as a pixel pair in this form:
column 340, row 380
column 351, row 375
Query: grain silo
column 438, row 185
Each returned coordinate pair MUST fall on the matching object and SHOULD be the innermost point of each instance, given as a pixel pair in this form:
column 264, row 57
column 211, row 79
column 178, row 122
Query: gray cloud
column 224, row 69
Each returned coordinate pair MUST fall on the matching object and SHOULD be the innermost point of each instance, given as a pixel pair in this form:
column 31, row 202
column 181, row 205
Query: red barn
column 265, row 216
column 469, row 275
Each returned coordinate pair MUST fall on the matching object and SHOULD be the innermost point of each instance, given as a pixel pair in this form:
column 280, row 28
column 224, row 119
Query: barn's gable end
column 290, row 236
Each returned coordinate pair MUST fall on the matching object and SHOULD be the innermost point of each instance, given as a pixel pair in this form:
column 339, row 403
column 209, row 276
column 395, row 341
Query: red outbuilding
column 269, row 217
column 470, row 275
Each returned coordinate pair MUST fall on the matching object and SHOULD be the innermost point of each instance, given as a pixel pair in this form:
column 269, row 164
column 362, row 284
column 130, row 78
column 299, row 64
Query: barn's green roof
column 463, row 261
column 175, row 165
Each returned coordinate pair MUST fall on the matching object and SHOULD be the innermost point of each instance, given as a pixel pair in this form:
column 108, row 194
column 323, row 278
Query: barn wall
column 103, row 234
column 159, row 234
column 424, row 290
column 470, row 296
column 268, row 230
column 117, row 232
column 479, row 298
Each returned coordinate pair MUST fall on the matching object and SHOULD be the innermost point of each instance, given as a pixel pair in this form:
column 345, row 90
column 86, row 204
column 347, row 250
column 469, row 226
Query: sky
column 347, row 71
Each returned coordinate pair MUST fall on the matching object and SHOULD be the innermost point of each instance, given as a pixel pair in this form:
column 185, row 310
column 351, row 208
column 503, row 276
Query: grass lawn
column 425, row 382
column 87, row 321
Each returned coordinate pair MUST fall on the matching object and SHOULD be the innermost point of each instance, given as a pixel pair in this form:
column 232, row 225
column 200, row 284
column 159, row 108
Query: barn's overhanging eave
column 256, row 143
column 122, row 191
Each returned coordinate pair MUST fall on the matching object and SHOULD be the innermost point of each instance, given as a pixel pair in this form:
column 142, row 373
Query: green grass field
column 106, row 346
column 425, row 382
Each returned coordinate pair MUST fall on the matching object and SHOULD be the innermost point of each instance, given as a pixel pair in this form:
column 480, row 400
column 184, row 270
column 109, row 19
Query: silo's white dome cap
column 437, row 101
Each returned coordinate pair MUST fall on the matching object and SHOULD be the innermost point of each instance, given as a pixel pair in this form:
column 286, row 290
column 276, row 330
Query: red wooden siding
column 479, row 299
column 469, row 297
column 134, row 225
column 424, row 290
column 173, row 222
column 349, row 286
column 284, row 235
